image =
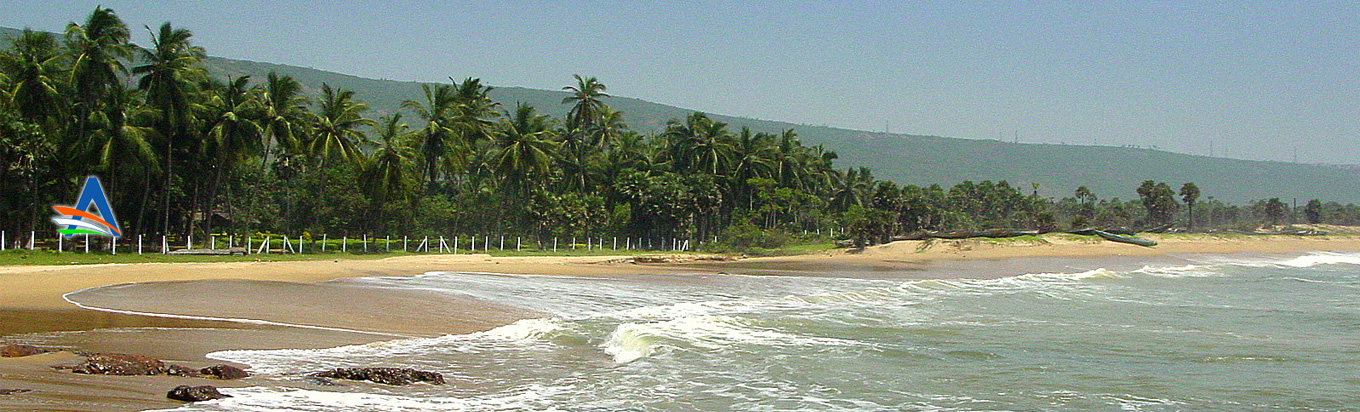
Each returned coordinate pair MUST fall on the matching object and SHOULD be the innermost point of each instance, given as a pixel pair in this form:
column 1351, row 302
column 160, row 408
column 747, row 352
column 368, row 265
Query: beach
column 203, row 308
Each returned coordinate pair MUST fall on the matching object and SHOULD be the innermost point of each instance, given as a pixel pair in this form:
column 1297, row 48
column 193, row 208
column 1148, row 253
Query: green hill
column 920, row 160
column 923, row 160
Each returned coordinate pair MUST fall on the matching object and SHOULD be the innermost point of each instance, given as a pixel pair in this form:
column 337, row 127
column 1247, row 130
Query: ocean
column 1200, row 333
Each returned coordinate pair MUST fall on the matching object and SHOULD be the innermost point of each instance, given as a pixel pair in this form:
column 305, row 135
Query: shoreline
column 205, row 302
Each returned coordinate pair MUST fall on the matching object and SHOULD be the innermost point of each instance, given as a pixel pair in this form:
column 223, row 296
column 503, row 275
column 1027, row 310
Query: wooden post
column 517, row 244
column 59, row 237
column 87, row 243
column 165, row 245
column 365, row 243
column 403, row 243
column 139, row 244
column 248, row 239
column 323, row 243
column 554, row 244
column 387, row 241
column 344, row 244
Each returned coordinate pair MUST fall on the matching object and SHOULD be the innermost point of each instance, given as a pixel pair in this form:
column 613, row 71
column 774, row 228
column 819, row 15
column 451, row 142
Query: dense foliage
column 182, row 152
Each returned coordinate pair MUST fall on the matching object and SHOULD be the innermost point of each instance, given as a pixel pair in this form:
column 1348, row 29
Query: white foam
column 632, row 341
column 264, row 399
column 1322, row 258
column 284, row 361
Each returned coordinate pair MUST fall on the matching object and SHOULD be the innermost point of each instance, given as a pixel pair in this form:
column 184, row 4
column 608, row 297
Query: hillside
column 913, row 159
column 923, row 160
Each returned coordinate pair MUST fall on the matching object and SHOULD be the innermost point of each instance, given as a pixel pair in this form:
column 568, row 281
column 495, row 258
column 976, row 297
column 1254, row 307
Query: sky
column 1244, row 79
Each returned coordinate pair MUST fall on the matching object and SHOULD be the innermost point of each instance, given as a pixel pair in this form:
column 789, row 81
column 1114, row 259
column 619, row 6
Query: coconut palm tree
column 699, row 145
column 386, row 177
column 33, row 65
column 433, row 141
column 525, row 146
column 586, row 98
column 285, row 115
column 336, row 136
column 171, row 71
column 98, row 49
column 1190, row 194
column 119, row 144
column 233, row 116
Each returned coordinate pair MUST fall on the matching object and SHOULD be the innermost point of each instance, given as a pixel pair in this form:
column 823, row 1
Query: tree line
column 183, row 152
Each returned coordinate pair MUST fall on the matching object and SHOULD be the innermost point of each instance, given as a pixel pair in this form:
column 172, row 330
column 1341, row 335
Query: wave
column 288, row 361
column 268, row 399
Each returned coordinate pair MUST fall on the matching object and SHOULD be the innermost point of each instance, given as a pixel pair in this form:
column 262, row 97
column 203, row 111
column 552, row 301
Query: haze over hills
column 911, row 159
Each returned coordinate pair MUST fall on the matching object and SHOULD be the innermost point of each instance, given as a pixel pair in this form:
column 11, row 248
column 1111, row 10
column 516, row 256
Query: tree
column 337, row 135
column 386, row 177
column 285, row 115
column 169, row 77
column 1190, row 194
column 1313, row 211
column 1084, row 195
column 1159, row 201
column 525, row 147
column 1275, row 211
column 586, row 96
column 698, row 145
column 98, row 49
column 432, row 142
column 33, row 65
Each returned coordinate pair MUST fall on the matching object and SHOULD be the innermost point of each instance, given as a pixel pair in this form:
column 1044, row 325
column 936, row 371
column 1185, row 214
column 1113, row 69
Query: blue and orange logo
column 105, row 224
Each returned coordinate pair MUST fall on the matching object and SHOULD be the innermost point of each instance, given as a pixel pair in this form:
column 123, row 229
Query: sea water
column 1225, row 333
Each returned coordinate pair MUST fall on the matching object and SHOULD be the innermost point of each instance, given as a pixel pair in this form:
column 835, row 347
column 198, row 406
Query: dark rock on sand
column 195, row 393
column 389, row 376
column 18, row 351
column 224, row 372
column 178, row 370
column 5, row 392
column 319, row 381
column 120, row 364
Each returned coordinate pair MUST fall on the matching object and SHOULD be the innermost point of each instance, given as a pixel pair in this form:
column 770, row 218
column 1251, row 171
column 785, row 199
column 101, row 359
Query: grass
column 50, row 257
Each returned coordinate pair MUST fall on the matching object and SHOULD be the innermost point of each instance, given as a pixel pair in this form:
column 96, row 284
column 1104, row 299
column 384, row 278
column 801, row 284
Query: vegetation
column 186, row 154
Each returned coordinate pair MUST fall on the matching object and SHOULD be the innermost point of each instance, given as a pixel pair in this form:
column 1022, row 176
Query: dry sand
column 335, row 312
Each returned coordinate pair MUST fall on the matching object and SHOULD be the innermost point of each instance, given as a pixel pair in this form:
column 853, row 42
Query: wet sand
column 333, row 312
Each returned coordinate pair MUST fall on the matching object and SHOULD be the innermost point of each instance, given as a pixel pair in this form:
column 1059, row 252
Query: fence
column 265, row 244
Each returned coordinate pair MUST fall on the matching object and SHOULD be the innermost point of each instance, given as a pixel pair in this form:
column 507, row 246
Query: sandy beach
column 310, row 304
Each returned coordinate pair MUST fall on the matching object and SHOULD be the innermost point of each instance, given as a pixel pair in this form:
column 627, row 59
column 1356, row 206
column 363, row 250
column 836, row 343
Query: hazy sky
column 1251, row 79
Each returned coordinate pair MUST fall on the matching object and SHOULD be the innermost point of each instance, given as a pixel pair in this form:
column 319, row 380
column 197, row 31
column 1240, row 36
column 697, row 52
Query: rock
column 195, row 393
column 224, row 372
column 319, row 381
column 179, row 370
column 120, row 364
column 18, row 351
column 389, row 376
column 6, row 392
